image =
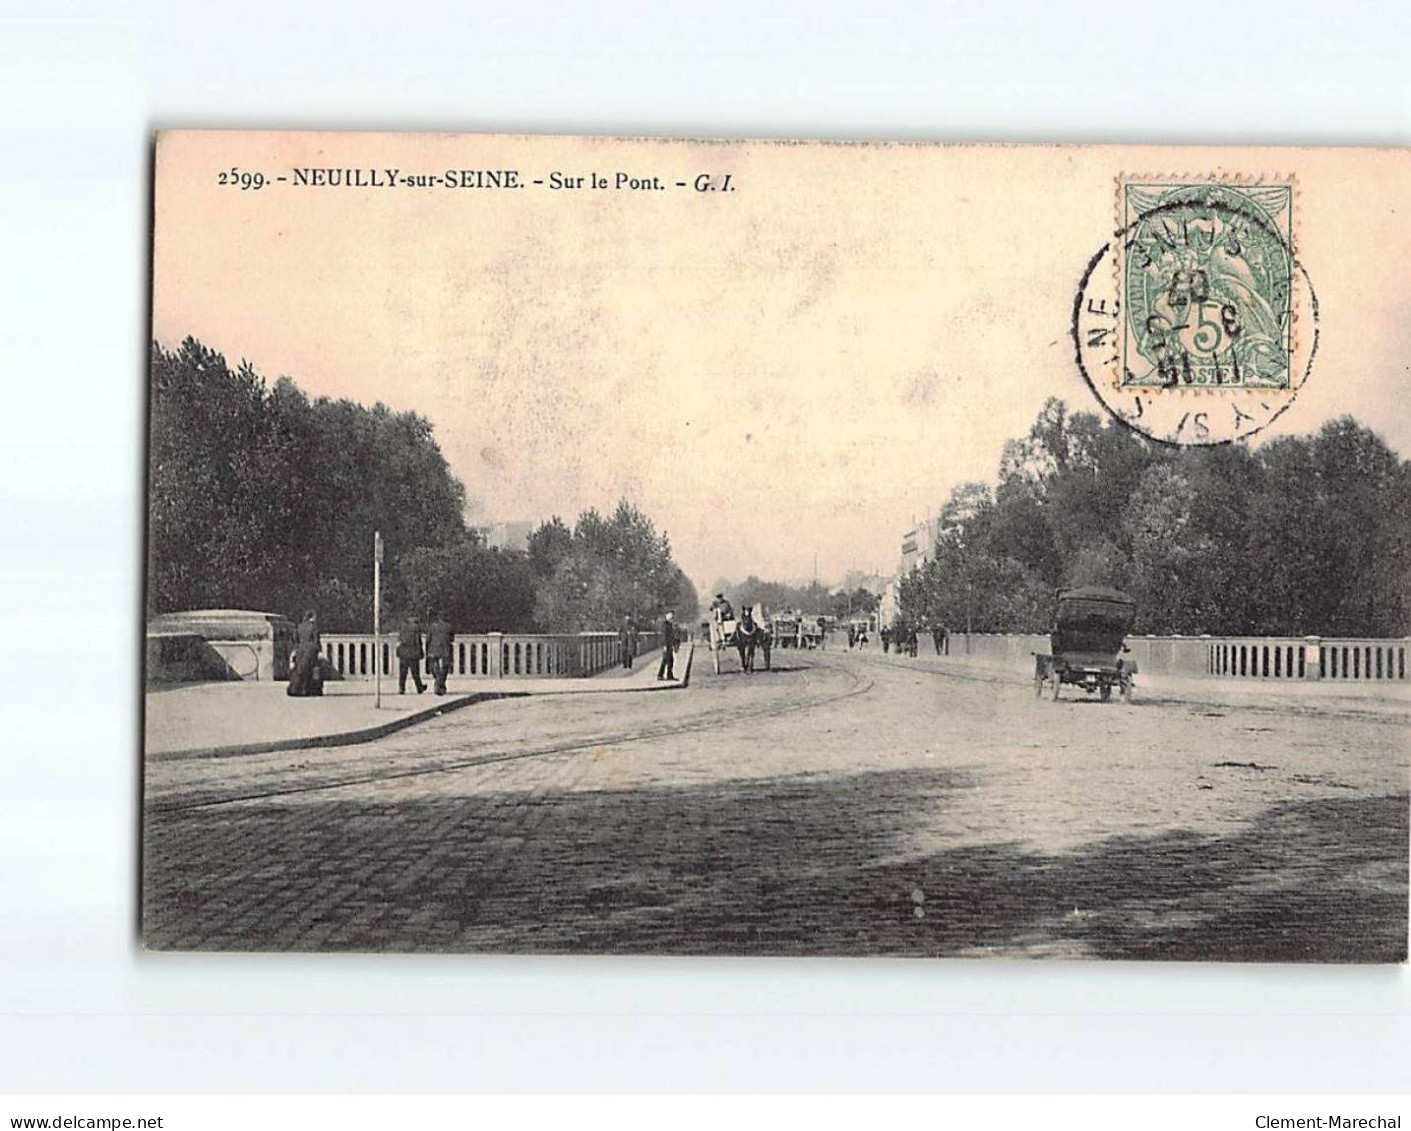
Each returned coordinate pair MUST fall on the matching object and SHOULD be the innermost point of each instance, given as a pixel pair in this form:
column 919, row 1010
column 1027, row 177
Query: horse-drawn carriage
column 813, row 632
column 1087, row 643
column 785, row 629
column 748, row 632
column 795, row 630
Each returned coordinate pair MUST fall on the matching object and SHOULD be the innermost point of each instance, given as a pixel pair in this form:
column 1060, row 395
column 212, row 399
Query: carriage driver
column 721, row 609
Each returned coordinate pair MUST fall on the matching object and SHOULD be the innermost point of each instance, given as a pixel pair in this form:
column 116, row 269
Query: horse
column 745, row 634
column 751, row 633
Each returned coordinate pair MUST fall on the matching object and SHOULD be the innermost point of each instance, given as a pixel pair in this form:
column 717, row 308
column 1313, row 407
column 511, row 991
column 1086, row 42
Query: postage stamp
column 1196, row 324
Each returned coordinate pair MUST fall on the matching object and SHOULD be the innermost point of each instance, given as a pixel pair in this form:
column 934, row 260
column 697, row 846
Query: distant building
column 513, row 535
column 918, row 546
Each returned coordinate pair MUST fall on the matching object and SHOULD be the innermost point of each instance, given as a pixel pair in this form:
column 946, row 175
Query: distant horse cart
column 1088, row 645
column 785, row 627
column 795, row 630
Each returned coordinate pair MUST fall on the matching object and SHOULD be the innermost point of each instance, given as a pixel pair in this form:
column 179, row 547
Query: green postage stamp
column 1187, row 325
column 1207, row 278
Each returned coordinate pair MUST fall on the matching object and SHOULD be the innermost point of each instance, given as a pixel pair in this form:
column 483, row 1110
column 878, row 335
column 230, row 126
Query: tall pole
column 377, row 617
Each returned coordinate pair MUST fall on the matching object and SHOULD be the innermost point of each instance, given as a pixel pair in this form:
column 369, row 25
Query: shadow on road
column 794, row 865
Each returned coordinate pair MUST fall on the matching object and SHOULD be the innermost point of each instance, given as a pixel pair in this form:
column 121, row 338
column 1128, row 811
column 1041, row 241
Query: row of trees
column 1299, row 535
column 261, row 498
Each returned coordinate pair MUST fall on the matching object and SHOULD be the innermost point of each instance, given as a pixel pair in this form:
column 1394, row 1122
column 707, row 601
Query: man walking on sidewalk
column 409, row 654
column 625, row 642
column 438, row 650
column 667, row 669
column 938, row 636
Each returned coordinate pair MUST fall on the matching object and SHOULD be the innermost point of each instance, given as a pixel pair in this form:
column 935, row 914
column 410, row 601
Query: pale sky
column 791, row 369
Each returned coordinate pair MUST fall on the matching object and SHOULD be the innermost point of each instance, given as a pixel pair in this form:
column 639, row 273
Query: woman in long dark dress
column 305, row 679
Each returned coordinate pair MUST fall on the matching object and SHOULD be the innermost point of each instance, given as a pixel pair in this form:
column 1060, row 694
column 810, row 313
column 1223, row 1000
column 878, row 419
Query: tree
column 1304, row 534
column 477, row 588
column 259, row 498
column 1162, row 546
column 549, row 546
column 605, row 570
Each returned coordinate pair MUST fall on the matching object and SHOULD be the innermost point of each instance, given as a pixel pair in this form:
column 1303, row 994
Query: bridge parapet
column 1279, row 658
column 491, row 655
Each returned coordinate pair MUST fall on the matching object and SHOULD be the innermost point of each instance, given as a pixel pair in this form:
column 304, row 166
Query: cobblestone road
column 839, row 804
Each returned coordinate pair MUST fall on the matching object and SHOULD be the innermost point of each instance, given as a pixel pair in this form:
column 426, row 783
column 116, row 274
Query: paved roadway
column 840, row 804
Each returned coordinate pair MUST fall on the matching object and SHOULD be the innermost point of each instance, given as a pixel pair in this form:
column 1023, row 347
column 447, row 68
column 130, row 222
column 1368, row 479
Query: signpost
column 377, row 617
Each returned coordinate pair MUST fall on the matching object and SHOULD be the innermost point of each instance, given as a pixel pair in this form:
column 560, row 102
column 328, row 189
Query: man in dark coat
column 307, row 679
column 438, row 650
column 625, row 636
column 409, row 654
column 723, row 607
column 667, row 668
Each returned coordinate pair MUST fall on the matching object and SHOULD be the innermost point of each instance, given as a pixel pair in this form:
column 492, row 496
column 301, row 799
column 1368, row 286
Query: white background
column 81, row 88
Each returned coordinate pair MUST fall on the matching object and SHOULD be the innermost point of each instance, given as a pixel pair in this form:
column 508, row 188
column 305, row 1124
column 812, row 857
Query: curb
column 382, row 730
column 346, row 738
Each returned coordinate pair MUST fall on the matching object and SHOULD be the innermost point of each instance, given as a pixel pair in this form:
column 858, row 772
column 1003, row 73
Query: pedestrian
column 852, row 636
column 911, row 644
column 942, row 640
column 624, row 642
column 937, row 633
column 438, row 650
column 667, row 668
column 307, row 678
column 886, row 640
column 409, row 654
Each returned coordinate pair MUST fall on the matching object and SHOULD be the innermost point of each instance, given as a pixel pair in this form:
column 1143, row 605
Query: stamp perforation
column 1122, row 229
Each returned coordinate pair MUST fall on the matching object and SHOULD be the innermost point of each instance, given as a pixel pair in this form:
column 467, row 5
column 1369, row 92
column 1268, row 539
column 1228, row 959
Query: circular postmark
column 1195, row 324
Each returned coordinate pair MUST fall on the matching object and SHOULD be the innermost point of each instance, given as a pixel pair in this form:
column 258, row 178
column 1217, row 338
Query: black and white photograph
column 596, row 546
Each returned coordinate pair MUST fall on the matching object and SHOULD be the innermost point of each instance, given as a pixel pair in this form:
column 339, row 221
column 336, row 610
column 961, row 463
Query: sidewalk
column 216, row 719
column 1384, row 697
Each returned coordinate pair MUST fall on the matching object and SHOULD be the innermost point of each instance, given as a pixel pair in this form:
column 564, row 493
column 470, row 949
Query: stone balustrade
column 1216, row 657
column 491, row 655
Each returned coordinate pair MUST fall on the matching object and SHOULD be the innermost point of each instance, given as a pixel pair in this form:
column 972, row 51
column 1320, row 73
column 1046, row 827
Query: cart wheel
column 1106, row 692
column 1057, row 686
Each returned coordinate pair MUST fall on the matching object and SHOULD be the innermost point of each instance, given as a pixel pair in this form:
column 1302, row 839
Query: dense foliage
column 606, row 570
column 1300, row 535
column 260, row 498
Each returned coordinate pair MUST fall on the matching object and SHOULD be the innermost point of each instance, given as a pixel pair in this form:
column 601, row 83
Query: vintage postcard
column 764, row 548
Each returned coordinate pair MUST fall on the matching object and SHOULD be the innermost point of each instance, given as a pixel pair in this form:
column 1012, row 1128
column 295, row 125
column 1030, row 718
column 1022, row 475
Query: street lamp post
column 377, row 618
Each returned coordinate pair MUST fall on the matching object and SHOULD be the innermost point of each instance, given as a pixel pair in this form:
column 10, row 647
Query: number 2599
column 242, row 179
